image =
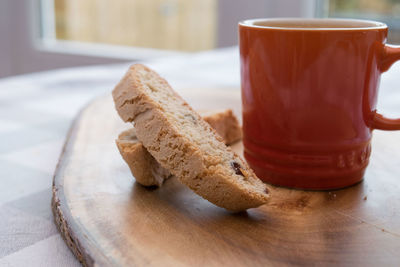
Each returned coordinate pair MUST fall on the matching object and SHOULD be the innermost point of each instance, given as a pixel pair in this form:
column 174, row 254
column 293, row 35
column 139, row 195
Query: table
column 36, row 111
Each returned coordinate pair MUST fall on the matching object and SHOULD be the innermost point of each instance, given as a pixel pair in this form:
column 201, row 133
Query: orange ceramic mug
column 309, row 92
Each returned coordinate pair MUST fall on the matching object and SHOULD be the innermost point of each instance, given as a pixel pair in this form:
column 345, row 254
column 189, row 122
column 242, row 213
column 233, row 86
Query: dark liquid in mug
column 317, row 23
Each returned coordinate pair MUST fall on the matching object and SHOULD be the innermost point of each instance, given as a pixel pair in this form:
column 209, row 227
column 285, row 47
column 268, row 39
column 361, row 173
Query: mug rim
column 375, row 25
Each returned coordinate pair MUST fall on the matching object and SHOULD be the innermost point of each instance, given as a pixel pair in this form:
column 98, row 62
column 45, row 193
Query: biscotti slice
column 225, row 123
column 147, row 171
column 182, row 142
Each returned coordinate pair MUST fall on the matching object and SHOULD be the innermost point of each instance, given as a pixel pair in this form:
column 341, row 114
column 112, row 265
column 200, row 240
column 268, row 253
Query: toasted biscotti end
column 149, row 172
column 143, row 166
column 182, row 142
column 225, row 124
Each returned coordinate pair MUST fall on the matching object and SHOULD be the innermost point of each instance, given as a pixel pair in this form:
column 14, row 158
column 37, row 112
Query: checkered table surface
column 36, row 111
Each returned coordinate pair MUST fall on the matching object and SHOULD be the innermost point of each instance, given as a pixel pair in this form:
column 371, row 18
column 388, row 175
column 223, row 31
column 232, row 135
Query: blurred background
column 46, row 34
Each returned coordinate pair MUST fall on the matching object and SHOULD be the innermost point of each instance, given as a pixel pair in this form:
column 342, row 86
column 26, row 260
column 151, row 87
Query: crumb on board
column 365, row 198
column 332, row 195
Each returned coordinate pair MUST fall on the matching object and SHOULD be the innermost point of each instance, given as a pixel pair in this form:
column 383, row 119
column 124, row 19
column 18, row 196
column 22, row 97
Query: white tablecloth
column 36, row 111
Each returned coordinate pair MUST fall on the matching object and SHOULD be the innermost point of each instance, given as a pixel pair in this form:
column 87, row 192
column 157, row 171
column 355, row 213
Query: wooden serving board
column 107, row 218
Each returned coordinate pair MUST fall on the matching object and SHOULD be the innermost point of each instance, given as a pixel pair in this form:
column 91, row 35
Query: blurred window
column 387, row 11
column 64, row 33
column 184, row 25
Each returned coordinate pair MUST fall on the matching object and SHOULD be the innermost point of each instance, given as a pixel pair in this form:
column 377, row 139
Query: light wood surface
column 108, row 219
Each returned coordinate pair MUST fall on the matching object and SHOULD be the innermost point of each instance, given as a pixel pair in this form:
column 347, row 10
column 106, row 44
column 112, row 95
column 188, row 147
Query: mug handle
column 390, row 55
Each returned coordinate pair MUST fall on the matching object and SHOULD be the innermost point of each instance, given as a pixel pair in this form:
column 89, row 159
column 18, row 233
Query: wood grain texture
column 108, row 219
